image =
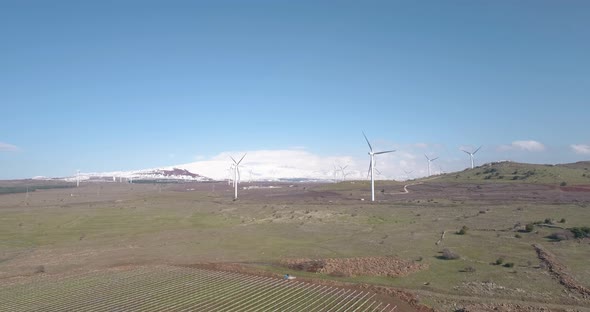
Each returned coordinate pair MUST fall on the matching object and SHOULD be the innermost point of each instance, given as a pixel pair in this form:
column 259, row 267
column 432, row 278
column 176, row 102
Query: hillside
column 509, row 172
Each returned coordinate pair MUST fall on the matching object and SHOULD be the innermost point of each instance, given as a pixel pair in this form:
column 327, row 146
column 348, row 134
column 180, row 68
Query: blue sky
column 119, row 85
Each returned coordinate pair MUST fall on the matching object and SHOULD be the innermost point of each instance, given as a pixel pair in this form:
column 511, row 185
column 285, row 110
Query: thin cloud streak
column 5, row 147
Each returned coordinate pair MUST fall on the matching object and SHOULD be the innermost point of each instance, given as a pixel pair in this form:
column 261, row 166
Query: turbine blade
column 241, row 158
column 426, row 157
column 384, row 152
column 370, row 147
column 369, row 171
column 434, row 159
column 466, row 152
column 378, row 172
column 233, row 159
column 476, row 150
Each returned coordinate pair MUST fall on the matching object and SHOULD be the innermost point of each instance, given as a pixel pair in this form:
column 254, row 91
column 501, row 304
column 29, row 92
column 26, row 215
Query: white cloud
column 529, row 146
column 300, row 163
column 421, row 145
column 5, row 147
column 583, row 149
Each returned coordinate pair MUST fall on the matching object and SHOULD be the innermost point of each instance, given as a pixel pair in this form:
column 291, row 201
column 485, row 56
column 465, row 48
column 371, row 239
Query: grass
column 512, row 172
column 174, row 288
column 133, row 224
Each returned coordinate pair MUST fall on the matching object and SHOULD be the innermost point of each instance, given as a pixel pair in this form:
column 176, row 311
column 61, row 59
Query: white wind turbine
column 372, row 165
column 230, row 171
column 429, row 161
column 344, row 174
column 236, row 173
column 471, row 155
column 408, row 173
column 78, row 178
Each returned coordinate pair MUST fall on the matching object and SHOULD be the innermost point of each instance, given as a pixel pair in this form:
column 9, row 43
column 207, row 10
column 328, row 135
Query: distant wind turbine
column 236, row 173
column 408, row 173
column 344, row 174
column 471, row 155
column 372, row 165
column 429, row 161
column 78, row 178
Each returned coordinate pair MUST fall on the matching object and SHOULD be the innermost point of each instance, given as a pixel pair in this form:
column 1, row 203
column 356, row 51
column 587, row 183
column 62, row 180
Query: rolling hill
column 509, row 172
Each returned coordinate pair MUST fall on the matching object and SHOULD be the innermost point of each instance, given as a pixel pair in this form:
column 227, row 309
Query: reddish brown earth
column 368, row 266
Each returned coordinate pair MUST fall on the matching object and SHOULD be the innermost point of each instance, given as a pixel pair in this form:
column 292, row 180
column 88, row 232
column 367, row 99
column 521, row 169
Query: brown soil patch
column 560, row 272
column 372, row 266
column 577, row 188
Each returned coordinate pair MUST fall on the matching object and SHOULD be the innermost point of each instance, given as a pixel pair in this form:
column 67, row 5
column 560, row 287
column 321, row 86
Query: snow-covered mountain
column 168, row 174
column 261, row 165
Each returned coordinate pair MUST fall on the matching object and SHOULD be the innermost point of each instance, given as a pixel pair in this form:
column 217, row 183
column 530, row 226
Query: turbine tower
column 372, row 165
column 78, row 178
column 236, row 173
column 429, row 161
column 344, row 174
column 471, row 155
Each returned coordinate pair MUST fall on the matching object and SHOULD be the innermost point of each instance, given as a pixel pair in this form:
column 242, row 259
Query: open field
column 158, row 288
column 99, row 227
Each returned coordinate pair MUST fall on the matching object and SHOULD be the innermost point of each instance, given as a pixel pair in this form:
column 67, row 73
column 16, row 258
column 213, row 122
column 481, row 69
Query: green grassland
column 513, row 172
column 84, row 229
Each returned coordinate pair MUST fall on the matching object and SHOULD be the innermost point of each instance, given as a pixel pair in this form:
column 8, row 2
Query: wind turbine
column 344, row 174
column 78, row 178
column 236, row 173
column 408, row 173
column 429, row 161
column 372, row 165
column 471, row 155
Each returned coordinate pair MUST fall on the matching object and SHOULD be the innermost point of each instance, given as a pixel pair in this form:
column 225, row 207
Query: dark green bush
column 529, row 227
column 508, row 264
column 581, row 232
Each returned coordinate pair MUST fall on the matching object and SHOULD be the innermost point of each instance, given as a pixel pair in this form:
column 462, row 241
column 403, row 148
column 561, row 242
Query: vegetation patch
column 368, row 266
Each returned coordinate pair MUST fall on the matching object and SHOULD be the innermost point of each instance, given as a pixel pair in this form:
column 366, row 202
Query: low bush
column 499, row 261
column 463, row 230
column 529, row 227
column 581, row 232
column 561, row 235
column 447, row 254
column 508, row 264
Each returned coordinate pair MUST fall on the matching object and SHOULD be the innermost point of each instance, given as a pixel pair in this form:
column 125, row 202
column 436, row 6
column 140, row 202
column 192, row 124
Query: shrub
column 447, row 254
column 548, row 221
column 508, row 264
column 40, row 269
column 581, row 232
column 517, row 235
column 562, row 220
column 561, row 235
column 529, row 227
column 469, row 269
column 463, row 230
column 563, row 183
column 499, row 261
